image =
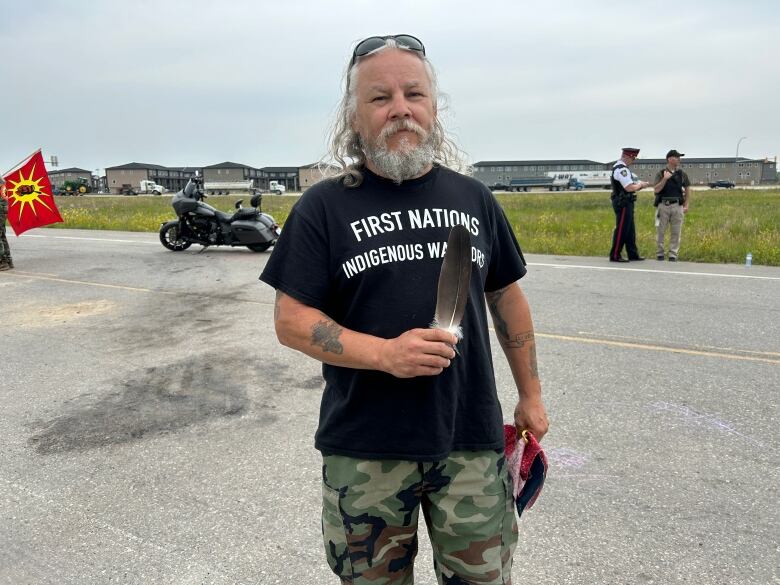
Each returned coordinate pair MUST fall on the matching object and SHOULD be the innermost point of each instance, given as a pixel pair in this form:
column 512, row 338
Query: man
column 405, row 423
column 672, row 196
column 624, row 190
column 5, row 252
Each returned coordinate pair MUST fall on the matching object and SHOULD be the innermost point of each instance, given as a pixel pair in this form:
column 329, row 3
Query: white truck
column 564, row 180
column 276, row 188
column 592, row 179
column 145, row 187
column 150, row 187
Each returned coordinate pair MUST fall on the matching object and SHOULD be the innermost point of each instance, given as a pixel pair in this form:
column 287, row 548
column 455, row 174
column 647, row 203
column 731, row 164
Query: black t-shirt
column 369, row 258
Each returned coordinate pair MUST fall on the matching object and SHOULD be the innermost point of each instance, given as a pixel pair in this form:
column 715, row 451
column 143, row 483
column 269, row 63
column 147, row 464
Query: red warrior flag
column 28, row 191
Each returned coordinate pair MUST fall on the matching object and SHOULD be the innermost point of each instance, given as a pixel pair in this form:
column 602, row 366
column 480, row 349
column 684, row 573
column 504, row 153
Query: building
column 59, row 176
column 287, row 176
column 701, row 171
column 314, row 173
column 500, row 172
column 179, row 176
column 229, row 178
column 229, row 172
column 172, row 178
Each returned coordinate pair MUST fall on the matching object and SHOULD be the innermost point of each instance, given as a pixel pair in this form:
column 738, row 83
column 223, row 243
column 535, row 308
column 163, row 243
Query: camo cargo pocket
column 509, row 529
column 334, row 534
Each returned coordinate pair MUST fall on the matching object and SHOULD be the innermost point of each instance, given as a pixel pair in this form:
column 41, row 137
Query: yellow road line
column 647, row 346
column 579, row 339
column 87, row 283
column 715, row 348
column 132, row 288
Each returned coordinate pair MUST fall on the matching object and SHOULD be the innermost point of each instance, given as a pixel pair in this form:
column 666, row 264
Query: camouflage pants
column 370, row 511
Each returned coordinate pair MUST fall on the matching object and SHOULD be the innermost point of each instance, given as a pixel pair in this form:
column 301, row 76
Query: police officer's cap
column 631, row 151
column 673, row 152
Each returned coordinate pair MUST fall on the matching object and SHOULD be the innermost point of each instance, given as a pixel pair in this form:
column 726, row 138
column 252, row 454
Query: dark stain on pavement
column 312, row 383
column 161, row 399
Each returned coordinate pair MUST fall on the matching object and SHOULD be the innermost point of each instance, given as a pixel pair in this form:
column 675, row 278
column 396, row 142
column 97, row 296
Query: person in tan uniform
column 672, row 196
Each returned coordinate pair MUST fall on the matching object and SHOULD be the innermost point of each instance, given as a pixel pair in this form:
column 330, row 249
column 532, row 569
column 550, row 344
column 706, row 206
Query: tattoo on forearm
column 514, row 341
column 521, row 339
column 502, row 330
column 325, row 334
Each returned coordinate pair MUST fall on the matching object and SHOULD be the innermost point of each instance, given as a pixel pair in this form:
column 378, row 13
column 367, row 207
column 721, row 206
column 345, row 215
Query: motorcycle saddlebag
column 250, row 232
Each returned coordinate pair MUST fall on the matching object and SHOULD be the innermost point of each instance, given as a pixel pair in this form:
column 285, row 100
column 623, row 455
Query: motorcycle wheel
column 259, row 247
column 169, row 237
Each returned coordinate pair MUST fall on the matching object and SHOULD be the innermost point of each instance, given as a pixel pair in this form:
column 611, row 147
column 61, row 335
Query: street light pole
column 736, row 156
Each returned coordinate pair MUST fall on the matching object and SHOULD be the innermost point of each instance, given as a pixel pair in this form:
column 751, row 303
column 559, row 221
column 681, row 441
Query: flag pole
column 21, row 162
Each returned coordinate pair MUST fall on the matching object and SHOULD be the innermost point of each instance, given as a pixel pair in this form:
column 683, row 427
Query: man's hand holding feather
column 417, row 352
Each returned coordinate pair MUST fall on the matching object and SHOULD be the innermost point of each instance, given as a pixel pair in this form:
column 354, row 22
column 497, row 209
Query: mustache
column 399, row 125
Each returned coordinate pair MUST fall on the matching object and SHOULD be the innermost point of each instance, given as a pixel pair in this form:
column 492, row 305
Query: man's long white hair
column 345, row 148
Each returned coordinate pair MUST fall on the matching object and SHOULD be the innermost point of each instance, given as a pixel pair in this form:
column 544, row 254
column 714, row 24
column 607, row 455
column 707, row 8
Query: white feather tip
column 457, row 330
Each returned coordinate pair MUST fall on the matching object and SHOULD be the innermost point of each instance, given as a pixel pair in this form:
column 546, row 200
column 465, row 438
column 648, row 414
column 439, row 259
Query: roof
column 317, row 165
column 690, row 160
column 70, row 170
column 493, row 163
column 280, row 169
column 136, row 166
column 228, row 165
column 685, row 160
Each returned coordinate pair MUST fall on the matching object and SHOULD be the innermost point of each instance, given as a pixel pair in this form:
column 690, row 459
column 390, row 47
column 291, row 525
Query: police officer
column 624, row 189
column 5, row 252
column 672, row 195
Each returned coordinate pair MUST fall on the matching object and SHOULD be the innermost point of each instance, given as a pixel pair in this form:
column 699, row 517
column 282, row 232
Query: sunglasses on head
column 371, row 44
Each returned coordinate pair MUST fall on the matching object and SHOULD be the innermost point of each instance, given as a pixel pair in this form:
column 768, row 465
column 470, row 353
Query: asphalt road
column 153, row 430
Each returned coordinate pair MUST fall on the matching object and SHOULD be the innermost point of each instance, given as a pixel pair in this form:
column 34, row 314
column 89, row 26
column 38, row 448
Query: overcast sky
column 201, row 82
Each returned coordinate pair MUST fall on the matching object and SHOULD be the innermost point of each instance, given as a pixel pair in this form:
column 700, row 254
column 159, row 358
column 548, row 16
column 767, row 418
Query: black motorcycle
column 200, row 223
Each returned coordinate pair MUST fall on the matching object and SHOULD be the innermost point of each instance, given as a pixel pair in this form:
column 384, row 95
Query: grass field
column 722, row 226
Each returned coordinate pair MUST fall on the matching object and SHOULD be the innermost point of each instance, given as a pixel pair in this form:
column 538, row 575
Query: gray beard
column 403, row 164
